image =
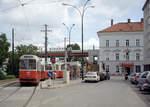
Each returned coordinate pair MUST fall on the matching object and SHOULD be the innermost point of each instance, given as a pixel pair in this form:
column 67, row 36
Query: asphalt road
column 144, row 95
column 112, row 93
column 15, row 96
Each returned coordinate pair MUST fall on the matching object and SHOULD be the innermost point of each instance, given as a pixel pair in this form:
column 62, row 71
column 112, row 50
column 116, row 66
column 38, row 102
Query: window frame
column 137, row 42
column 127, row 43
column 117, row 56
column 137, row 56
column 107, row 43
column 117, row 43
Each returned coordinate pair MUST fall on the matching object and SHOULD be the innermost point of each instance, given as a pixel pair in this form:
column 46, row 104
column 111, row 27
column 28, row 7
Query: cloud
column 91, row 42
column 28, row 20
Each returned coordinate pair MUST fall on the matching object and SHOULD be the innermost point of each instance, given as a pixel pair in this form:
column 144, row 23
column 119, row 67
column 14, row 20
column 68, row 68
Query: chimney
column 142, row 20
column 129, row 20
column 112, row 22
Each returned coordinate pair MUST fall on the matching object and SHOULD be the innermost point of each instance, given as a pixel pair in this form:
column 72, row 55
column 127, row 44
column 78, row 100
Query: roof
column 125, row 27
column 145, row 4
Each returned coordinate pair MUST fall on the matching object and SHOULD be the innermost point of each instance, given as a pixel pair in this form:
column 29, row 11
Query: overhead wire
column 28, row 28
column 22, row 4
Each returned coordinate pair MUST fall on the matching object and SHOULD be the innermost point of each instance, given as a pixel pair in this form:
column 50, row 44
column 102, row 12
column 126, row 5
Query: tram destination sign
column 28, row 57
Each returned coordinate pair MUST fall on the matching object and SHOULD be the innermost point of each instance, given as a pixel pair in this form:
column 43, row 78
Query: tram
column 45, row 69
column 30, row 69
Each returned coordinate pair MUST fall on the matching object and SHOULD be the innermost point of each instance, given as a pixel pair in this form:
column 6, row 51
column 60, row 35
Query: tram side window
column 39, row 66
column 62, row 67
column 48, row 67
column 32, row 64
column 57, row 67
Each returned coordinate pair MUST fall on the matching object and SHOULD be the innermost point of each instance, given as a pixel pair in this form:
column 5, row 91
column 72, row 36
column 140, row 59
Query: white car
column 92, row 76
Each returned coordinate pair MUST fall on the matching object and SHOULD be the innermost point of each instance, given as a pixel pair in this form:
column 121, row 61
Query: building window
column 107, row 59
column 137, row 56
column 117, row 68
column 127, row 56
column 137, row 42
column 127, row 42
column 107, row 43
column 147, row 67
column 117, row 56
column 137, row 68
column 117, row 43
column 107, row 68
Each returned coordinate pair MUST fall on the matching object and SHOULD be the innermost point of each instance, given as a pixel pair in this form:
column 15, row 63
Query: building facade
column 93, row 55
column 146, row 10
column 121, row 47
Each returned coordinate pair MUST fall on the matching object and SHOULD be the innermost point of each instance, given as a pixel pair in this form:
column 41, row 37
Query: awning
column 129, row 64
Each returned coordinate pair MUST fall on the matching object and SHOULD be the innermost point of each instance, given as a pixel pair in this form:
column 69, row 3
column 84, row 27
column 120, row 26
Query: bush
column 2, row 76
column 10, row 76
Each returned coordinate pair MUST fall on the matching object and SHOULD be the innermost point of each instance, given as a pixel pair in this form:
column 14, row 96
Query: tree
column 4, row 48
column 74, row 46
column 24, row 49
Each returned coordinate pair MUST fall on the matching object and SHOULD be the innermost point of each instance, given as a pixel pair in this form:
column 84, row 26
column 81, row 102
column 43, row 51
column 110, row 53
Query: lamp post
column 69, row 29
column 82, row 13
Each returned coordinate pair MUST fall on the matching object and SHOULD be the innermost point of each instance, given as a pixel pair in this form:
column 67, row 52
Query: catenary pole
column 12, row 50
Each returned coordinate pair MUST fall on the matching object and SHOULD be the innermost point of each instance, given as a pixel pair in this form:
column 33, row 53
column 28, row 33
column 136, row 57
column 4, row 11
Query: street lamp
column 69, row 31
column 81, row 12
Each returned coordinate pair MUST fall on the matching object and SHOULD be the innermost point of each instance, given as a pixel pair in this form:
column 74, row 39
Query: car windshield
column 132, row 74
column 143, row 75
column 91, row 73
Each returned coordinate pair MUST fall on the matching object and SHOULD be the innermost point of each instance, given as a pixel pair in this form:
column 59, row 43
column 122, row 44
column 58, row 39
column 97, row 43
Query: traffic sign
column 49, row 74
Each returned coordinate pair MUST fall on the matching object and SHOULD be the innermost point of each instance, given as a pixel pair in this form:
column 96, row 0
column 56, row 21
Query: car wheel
column 141, row 89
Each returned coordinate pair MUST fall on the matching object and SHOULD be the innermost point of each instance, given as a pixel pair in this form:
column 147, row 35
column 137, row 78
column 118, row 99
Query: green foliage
column 24, row 49
column 74, row 46
column 16, row 65
column 4, row 47
column 10, row 76
column 2, row 76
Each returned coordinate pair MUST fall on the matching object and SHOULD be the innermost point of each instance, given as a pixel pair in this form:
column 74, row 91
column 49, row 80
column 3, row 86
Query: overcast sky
column 29, row 20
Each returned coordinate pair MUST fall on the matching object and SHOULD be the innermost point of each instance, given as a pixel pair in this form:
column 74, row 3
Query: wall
column 111, row 51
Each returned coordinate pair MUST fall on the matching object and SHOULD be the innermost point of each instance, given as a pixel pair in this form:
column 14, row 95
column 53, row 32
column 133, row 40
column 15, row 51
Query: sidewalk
column 58, row 83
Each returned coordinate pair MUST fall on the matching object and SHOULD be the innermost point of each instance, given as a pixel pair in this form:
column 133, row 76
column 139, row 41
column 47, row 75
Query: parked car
column 92, row 76
column 102, row 76
column 105, row 76
column 137, row 75
column 144, row 81
column 132, row 78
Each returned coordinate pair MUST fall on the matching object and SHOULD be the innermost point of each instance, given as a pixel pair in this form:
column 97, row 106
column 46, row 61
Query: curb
column 60, row 85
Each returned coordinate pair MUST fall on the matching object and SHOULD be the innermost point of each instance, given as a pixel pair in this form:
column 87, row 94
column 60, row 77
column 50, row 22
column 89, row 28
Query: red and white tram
column 45, row 69
column 30, row 69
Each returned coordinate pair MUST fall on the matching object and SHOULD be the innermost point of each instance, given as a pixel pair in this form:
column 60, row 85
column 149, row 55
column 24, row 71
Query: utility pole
column 12, row 68
column 65, row 54
column 46, row 30
column 66, row 73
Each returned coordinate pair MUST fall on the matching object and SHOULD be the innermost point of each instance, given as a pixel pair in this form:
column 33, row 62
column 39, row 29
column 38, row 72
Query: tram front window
column 28, row 64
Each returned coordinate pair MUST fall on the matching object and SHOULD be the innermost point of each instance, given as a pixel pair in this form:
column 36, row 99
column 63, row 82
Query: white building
column 146, row 10
column 121, row 47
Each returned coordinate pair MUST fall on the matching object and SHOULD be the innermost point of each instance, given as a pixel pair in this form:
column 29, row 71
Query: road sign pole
column 66, row 73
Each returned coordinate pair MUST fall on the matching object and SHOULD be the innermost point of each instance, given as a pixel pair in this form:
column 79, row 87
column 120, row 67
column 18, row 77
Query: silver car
column 132, row 78
column 144, row 81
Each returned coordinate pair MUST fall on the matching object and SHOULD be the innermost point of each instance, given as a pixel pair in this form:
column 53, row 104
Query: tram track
column 11, row 94
column 8, row 84
column 29, row 99
column 14, row 93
